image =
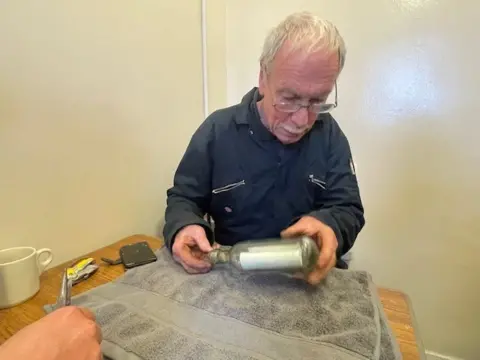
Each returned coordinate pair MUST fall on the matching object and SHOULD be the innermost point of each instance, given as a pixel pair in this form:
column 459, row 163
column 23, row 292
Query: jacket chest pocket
column 229, row 200
column 317, row 187
column 317, row 181
column 313, row 187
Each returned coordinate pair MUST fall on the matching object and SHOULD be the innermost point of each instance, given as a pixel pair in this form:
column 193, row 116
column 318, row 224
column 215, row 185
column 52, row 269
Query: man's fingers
column 319, row 274
column 186, row 251
column 326, row 254
column 192, row 270
column 298, row 275
column 98, row 334
column 325, row 239
column 99, row 356
column 296, row 229
column 185, row 254
column 307, row 225
column 196, row 258
column 203, row 244
column 188, row 269
column 91, row 316
column 87, row 313
column 193, row 262
column 328, row 246
column 315, row 277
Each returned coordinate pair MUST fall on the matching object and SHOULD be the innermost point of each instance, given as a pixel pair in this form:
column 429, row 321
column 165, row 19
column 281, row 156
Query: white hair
column 303, row 31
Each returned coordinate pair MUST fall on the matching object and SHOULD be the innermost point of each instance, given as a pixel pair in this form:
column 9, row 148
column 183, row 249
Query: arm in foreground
column 67, row 333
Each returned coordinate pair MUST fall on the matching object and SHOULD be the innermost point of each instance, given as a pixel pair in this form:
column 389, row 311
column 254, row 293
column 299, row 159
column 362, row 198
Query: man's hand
column 190, row 247
column 68, row 333
column 326, row 240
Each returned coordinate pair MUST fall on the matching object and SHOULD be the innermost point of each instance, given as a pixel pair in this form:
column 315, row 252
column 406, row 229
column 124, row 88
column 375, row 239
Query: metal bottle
column 274, row 254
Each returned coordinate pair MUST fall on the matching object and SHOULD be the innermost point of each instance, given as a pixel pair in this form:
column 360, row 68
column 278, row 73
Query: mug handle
column 43, row 264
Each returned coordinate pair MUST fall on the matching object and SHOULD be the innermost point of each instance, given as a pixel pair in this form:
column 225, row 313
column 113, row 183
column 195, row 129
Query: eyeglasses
column 316, row 108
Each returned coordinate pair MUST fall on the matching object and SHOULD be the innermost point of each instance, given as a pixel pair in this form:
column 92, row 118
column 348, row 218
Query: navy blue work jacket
column 254, row 187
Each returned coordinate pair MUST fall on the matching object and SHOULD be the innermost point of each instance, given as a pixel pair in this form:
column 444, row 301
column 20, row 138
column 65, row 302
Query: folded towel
column 158, row 311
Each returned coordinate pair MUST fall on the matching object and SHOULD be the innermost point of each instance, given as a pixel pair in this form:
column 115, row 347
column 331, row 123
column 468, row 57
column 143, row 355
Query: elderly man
column 277, row 163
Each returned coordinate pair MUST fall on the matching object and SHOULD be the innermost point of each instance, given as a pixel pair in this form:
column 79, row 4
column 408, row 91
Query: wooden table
column 396, row 304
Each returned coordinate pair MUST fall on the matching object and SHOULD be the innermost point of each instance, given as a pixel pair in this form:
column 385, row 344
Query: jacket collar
column 244, row 108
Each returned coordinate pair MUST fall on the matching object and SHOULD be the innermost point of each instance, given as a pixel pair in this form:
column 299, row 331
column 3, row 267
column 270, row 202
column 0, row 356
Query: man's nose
column 300, row 117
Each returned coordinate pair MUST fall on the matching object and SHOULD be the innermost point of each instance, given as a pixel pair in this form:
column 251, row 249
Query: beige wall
column 216, row 54
column 408, row 105
column 98, row 100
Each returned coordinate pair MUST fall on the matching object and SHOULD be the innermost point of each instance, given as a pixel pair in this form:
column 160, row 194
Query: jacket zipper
column 228, row 187
column 318, row 182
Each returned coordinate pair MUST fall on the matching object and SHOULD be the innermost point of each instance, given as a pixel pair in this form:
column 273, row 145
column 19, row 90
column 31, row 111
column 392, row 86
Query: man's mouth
column 293, row 132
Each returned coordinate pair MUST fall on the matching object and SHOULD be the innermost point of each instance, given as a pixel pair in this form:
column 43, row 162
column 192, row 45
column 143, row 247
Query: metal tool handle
column 65, row 295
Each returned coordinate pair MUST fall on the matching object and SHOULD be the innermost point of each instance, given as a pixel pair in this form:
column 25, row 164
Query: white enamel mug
column 20, row 270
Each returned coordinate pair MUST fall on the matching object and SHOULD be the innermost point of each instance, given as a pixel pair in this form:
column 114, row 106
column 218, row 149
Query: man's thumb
column 293, row 230
column 203, row 243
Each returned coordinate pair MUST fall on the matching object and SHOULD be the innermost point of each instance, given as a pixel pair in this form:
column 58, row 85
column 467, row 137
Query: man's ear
column 262, row 81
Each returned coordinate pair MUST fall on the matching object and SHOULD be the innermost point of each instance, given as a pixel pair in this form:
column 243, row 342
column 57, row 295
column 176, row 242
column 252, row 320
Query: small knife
column 65, row 296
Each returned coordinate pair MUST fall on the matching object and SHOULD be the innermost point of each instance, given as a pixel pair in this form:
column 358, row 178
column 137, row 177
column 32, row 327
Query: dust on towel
column 157, row 311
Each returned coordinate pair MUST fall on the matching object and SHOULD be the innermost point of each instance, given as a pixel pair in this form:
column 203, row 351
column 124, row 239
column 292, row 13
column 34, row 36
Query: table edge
column 413, row 319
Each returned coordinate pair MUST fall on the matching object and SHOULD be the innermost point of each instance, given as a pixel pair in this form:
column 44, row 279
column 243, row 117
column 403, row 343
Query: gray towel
column 157, row 311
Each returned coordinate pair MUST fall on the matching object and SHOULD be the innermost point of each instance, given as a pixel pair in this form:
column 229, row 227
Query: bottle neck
column 219, row 256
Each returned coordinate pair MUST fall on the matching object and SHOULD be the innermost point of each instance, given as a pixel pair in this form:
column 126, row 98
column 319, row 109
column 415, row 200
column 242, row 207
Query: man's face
column 296, row 78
